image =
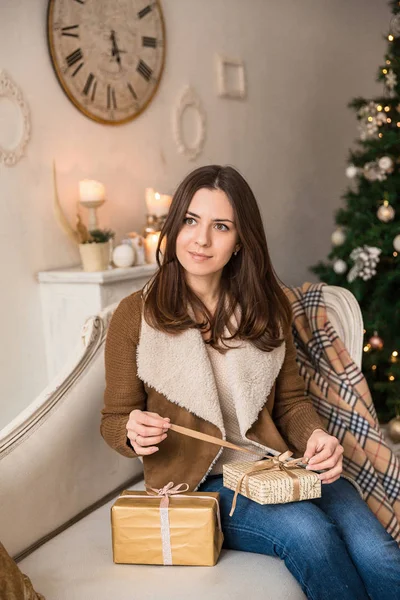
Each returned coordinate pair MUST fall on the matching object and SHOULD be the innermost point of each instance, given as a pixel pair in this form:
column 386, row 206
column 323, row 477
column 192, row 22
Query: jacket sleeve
column 124, row 390
column 294, row 414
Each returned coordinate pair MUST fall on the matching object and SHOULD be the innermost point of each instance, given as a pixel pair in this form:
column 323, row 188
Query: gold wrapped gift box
column 271, row 481
column 166, row 529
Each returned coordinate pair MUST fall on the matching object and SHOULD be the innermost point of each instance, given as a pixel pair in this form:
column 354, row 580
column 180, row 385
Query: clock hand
column 114, row 47
column 115, row 51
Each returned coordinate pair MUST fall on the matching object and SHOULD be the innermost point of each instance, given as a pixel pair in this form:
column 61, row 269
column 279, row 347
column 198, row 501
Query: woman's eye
column 219, row 226
column 222, row 225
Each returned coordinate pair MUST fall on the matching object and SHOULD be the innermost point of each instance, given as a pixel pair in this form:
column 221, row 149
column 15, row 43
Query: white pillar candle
column 157, row 204
column 91, row 191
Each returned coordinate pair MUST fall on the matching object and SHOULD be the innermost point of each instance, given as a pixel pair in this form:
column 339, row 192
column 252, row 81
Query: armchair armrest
column 54, row 464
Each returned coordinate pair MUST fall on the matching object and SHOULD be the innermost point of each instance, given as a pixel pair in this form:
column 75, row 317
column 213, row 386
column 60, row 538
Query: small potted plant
column 95, row 247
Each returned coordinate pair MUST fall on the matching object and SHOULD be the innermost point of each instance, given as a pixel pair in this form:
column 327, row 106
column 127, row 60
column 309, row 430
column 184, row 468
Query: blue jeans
column 334, row 545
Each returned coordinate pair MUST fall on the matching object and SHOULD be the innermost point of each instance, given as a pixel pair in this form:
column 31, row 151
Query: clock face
column 108, row 54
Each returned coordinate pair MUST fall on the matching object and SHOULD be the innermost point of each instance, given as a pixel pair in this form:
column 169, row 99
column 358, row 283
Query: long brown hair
column 247, row 280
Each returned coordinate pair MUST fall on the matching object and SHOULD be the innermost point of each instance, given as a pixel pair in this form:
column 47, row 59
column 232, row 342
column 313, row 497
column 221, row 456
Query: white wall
column 305, row 60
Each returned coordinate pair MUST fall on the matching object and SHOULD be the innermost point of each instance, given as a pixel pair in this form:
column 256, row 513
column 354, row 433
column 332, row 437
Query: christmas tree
column 365, row 255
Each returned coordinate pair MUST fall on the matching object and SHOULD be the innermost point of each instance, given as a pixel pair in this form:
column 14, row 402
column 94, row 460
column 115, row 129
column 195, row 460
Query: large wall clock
column 108, row 54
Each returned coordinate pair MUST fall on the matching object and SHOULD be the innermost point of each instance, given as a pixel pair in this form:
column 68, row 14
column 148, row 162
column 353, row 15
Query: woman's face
column 208, row 236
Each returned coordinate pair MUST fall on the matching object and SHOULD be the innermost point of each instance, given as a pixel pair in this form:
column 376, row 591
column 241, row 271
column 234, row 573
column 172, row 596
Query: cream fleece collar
column 178, row 366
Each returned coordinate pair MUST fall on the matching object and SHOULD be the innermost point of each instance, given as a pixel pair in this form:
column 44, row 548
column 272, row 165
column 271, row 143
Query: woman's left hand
column 324, row 452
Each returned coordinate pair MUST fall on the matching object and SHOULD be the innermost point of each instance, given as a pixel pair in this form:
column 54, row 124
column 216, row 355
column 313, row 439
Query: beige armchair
column 59, row 480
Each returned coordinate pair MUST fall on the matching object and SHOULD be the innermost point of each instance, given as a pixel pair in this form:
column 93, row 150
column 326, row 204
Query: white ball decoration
column 351, row 171
column 381, row 117
column 385, row 163
column 123, row 256
column 338, row 237
column 371, row 171
column 385, row 213
column 396, row 243
column 339, row 266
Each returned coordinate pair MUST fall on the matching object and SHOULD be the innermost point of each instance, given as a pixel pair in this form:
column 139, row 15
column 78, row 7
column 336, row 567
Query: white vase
column 95, row 256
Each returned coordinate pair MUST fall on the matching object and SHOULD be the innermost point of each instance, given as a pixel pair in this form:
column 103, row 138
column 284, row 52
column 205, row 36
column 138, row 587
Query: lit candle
column 150, row 244
column 157, row 204
column 91, row 191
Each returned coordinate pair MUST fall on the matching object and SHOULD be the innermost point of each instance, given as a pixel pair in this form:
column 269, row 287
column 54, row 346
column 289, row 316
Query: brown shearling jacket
column 171, row 375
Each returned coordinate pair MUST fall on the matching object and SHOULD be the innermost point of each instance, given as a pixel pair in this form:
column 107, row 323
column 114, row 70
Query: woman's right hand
column 144, row 429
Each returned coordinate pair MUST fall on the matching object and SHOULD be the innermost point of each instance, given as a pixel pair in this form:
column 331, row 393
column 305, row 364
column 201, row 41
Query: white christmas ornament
column 368, row 110
column 381, row 118
column 368, row 128
column 351, row 171
column 373, row 172
column 368, row 131
column 391, row 80
column 386, row 164
column 385, row 213
column 339, row 266
column 338, row 237
column 123, row 256
column 366, row 258
column 396, row 243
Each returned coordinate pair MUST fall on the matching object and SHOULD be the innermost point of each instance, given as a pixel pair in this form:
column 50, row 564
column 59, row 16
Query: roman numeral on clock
column 74, row 57
column 132, row 91
column 71, row 31
column 145, row 11
column 149, row 42
column 91, row 79
column 111, row 99
column 144, row 70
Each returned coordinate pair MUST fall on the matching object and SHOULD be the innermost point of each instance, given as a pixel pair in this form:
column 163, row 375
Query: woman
column 208, row 345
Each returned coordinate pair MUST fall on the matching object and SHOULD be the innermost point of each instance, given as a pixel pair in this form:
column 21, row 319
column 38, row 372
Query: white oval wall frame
column 189, row 99
column 10, row 90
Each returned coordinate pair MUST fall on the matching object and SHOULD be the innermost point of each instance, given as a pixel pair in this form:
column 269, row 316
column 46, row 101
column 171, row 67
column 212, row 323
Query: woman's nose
column 203, row 236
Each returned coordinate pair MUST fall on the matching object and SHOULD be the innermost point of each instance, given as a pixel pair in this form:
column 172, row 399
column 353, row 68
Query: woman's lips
column 199, row 257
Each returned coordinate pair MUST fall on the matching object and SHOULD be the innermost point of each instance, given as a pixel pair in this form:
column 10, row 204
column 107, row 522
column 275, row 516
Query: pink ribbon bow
column 167, row 491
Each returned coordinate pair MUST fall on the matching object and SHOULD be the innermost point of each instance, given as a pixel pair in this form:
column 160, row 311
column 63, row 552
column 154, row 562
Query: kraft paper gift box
column 170, row 528
column 272, row 480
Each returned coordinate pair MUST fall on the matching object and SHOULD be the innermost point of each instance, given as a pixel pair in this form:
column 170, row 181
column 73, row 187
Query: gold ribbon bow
column 167, row 491
column 276, row 463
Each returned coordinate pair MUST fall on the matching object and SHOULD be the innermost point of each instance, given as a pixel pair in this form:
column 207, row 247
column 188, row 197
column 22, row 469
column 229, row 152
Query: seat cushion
column 77, row 564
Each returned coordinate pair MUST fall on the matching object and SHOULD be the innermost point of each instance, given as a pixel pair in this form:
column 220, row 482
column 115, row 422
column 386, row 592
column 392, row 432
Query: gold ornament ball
column 385, row 213
column 338, row 237
column 376, row 342
column 394, row 429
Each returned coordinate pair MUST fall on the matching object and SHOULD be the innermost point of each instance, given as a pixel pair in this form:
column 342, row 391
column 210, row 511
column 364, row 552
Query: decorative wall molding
column 236, row 89
column 189, row 99
column 10, row 90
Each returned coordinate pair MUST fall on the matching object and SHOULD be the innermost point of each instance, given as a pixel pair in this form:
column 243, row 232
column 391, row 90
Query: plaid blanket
column 343, row 400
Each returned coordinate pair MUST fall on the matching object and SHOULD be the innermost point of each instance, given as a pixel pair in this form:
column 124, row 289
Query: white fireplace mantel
column 70, row 296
